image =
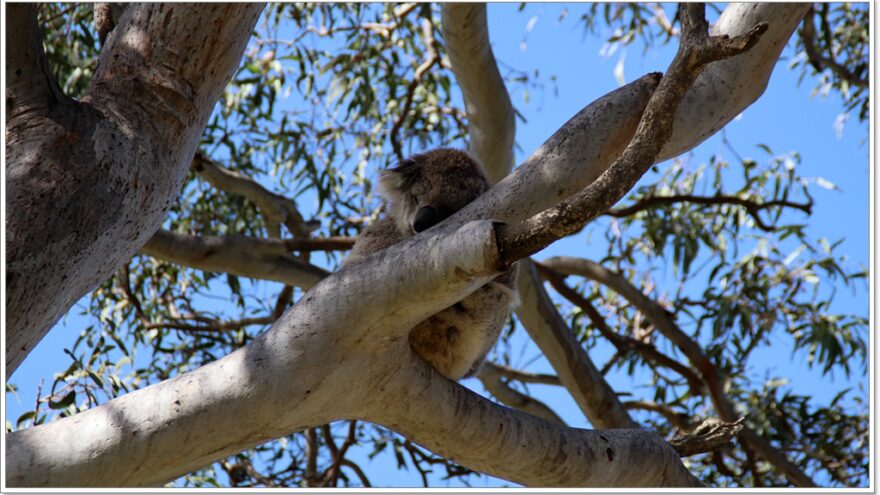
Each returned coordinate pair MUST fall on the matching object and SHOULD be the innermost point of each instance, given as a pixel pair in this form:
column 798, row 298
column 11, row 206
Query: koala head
column 427, row 188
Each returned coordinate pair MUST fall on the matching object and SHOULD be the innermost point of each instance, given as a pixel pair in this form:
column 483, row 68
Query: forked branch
column 697, row 49
column 277, row 209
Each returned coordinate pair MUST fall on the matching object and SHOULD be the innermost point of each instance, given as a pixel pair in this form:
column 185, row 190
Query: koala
column 421, row 192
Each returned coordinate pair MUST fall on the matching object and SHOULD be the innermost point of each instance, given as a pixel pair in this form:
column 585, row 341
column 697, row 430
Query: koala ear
column 394, row 180
column 390, row 181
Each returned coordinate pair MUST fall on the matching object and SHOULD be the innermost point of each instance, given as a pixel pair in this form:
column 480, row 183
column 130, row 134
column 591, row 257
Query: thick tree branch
column 697, row 49
column 575, row 369
column 240, row 394
column 590, row 141
column 491, row 120
column 88, row 182
column 277, row 209
column 663, row 320
column 726, row 88
column 316, row 344
column 267, row 259
column 30, row 85
column 490, row 377
column 453, row 422
column 820, row 62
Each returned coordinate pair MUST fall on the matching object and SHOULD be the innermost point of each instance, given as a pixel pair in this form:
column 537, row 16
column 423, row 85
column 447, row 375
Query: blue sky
column 786, row 118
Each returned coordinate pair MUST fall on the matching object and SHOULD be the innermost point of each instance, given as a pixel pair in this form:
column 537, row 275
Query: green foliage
column 71, row 44
column 742, row 284
column 838, row 59
column 327, row 94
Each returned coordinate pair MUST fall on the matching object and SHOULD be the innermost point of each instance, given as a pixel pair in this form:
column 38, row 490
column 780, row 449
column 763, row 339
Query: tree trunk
column 88, row 182
column 337, row 354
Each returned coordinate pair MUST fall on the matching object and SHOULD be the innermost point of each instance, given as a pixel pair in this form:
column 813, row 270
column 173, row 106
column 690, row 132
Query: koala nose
column 426, row 217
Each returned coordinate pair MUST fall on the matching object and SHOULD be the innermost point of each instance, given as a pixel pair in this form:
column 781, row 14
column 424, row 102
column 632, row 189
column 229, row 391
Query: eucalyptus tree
column 136, row 177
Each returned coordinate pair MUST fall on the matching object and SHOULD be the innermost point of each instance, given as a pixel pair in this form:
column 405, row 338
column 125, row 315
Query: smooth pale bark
column 88, row 182
column 573, row 365
column 444, row 416
column 492, row 379
column 313, row 366
column 267, row 259
column 491, row 119
column 587, row 144
column 320, row 356
column 491, row 128
column 728, row 87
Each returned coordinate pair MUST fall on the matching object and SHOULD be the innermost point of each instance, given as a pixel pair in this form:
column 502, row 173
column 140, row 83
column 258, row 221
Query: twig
column 122, row 278
column 319, row 243
column 663, row 21
column 282, row 301
column 252, row 471
column 331, row 475
column 752, row 207
column 622, row 343
column 37, row 401
column 311, row 472
column 697, row 49
column 718, row 460
column 757, row 476
column 412, row 450
column 276, row 208
column 383, row 30
column 358, row 471
column 522, row 376
column 431, row 58
column 611, row 362
column 490, row 377
column 212, row 325
column 679, row 420
column 819, row 62
column 715, row 381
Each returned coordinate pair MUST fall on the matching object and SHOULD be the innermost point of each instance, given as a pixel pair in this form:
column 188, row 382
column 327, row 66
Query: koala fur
column 423, row 191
